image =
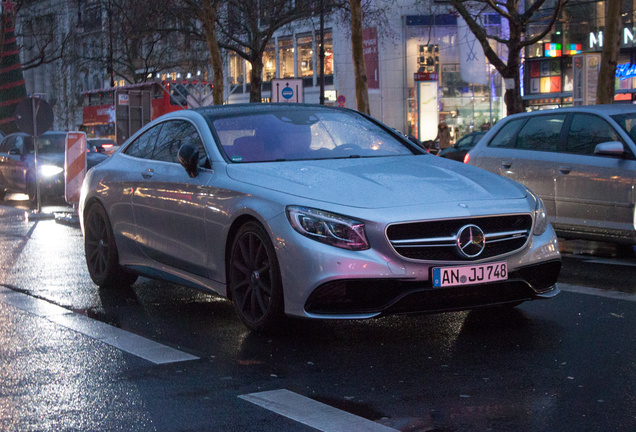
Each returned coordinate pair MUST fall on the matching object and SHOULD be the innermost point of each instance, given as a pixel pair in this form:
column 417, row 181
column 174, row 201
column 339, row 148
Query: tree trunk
column 208, row 18
column 609, row 57
column 359, row 67
column 256, row 79
column 511, row 75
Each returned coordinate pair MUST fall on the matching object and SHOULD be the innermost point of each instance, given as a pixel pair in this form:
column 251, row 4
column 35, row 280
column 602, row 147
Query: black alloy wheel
column 102, row 258
column 254, row 279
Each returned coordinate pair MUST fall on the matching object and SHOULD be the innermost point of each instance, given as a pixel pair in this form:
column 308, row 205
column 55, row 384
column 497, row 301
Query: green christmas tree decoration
column 12, row 88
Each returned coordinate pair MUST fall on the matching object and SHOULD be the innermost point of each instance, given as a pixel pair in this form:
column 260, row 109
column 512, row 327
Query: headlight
column 540, row 218
column 328, row 228
column 50, row 170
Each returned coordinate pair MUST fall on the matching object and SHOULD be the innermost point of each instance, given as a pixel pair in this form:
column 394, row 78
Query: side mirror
column 189, row 158
column 610, row 148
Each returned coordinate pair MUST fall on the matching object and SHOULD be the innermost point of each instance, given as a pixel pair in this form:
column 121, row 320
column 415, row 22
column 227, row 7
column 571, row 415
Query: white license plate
column 469, row 275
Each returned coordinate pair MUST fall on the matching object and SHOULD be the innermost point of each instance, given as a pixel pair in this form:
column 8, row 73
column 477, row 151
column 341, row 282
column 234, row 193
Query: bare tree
column 611, row 49
column 247, row 27
column 518, row 20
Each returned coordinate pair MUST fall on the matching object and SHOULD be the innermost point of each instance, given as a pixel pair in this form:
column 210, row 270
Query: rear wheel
column 254, row 279
column 102, row 258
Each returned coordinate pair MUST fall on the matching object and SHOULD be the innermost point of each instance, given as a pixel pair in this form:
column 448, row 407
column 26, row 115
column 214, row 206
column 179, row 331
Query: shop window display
column 286, row 57
column 304, row 44
column 464, row 107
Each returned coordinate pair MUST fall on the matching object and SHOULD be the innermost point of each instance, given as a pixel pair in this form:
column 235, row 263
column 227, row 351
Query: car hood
column 378, row 182
column 56, row 159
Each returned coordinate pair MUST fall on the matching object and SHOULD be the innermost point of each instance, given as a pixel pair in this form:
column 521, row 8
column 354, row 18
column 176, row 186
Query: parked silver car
column 580, row 161
column 314, row 212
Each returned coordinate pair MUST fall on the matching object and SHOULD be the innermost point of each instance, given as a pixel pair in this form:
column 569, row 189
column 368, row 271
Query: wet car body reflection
column 311, row 212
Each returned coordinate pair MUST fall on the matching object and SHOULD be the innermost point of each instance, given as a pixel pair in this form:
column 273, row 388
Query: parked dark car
column 17, row 164
column 102, row 145
column 458, row 150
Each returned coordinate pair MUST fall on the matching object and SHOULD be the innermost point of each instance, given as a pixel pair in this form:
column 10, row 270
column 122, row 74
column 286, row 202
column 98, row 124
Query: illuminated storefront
column 548, row 70
column 432, row 47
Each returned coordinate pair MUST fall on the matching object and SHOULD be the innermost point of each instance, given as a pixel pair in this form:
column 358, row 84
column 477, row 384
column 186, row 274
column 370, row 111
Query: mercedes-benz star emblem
column 470, row 241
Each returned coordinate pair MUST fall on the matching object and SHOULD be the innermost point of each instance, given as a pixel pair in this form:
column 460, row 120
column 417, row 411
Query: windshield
column 628, row 123
column 47, row 143
column 304, row 134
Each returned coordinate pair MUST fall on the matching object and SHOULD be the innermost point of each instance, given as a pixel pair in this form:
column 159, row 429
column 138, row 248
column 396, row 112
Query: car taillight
column 466, row 158
column 107, row 145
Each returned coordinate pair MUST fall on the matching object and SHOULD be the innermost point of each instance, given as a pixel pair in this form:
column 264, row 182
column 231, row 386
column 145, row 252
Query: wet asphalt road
column 561, row 365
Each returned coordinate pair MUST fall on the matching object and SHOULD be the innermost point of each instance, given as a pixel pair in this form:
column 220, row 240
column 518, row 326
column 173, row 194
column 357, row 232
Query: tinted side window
column 465, row 142
column 142, row 147
column 541, row 133
column 505, row 135
column 586, row 131
column 173, row 135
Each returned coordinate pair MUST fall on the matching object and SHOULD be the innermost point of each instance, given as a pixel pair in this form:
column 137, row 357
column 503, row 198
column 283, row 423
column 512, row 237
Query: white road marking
column 617, row 295
column 312, row 413
column 121, row 339
column 610, row 261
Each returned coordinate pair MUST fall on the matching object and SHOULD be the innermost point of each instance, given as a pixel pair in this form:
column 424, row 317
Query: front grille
column 436, row 240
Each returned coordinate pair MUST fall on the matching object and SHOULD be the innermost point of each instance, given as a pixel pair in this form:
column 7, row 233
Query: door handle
column 506, row 164
column 565, row 170
column 148, row 173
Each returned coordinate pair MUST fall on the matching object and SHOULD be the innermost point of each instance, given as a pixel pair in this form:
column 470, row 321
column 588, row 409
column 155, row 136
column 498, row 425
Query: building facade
column 413, row 55
column 575, row 44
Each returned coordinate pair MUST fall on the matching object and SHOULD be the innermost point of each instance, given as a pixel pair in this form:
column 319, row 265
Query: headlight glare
column 328, row 228
column 540, row 217
column 50, row 170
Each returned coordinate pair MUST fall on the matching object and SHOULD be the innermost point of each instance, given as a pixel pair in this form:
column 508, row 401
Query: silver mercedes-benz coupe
column 311, row 211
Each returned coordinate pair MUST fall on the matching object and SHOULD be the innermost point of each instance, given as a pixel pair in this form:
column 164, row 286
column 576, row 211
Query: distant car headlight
column 540, row 218
column 50, row 170
column 328, row 228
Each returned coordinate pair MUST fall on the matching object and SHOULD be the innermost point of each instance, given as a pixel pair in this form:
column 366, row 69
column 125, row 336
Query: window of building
column 286, row 57
column 328, row 51
column 269, row 62
column 236, row 69
column 304, row 44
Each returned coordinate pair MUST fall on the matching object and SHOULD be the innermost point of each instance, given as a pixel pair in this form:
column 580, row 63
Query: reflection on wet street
column 566, row 364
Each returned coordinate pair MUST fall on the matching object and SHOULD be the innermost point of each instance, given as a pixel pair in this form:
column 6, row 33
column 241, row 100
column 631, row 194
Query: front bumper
column 386, row 296
column 322, row 281
column 52, row 186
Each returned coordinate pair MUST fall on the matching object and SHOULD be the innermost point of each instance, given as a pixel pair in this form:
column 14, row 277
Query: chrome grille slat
column 436, row 240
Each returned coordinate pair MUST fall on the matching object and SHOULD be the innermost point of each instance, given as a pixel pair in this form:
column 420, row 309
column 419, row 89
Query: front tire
column 254, row 279
column 102, row 258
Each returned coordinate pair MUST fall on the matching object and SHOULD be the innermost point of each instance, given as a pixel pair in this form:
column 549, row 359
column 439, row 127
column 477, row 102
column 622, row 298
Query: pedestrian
column 443, row 136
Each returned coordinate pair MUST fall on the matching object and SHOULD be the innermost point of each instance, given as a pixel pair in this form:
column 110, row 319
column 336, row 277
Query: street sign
column 287, row 90
column 74, row 165
column 31, row 108
column 341, row 101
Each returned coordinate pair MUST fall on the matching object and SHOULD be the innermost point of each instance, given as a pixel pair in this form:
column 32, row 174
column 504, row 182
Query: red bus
column 119, row 112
